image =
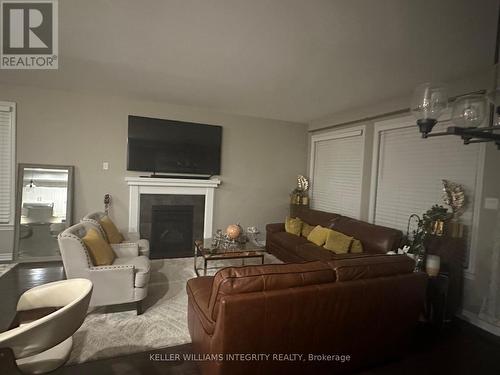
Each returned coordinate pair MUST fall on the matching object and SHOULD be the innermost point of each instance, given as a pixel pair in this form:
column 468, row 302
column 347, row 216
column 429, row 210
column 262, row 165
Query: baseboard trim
column 483, row 324
column 5, row 257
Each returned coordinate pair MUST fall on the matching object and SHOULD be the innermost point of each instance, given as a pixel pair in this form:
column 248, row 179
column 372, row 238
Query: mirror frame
column 19, row 198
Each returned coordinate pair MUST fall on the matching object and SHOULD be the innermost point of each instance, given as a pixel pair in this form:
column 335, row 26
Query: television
column 173, row 147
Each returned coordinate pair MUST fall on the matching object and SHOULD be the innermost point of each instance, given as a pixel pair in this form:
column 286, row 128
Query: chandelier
column 468, row 112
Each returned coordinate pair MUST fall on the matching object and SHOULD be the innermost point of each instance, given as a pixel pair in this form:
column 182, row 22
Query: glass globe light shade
column 428, row 103
column 469, row 110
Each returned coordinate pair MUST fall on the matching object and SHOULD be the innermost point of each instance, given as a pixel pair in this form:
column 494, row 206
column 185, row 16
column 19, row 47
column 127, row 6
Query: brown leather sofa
column 289, row 248
column 364, row 308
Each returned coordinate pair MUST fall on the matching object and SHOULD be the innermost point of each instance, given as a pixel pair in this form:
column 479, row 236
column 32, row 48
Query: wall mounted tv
column 173, row 147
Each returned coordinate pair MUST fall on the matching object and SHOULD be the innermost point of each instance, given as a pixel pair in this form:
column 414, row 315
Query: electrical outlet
column 105, row 165
column 491, row 203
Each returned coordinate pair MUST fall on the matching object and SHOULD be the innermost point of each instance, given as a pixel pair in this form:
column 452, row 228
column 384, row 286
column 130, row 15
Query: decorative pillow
column 318, row 235
column 112, row 232
column 306, row 229
column 293, row 226
column 338, row 242
column 356, row 246
column 100, row 251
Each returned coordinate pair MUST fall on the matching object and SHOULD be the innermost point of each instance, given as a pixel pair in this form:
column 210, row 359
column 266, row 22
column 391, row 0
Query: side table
column 437, row 299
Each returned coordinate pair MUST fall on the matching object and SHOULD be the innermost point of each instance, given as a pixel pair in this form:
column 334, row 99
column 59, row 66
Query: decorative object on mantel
column 299, row 194
column 107, row 203
column 469, row 111
column 454, row 196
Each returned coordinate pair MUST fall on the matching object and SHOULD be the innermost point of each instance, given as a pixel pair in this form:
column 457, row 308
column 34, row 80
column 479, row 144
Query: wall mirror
column 44, row 202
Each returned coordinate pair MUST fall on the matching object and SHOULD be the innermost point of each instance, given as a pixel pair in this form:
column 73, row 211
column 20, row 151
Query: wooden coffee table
column 208, row 252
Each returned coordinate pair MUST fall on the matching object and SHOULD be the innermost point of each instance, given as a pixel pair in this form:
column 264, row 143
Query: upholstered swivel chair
column 44, row 344
column 124, row 281
column 143, row 244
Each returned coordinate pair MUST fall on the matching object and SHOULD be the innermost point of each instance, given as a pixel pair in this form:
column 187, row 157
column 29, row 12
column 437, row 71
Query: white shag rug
column 6, row 267
column 110, row 332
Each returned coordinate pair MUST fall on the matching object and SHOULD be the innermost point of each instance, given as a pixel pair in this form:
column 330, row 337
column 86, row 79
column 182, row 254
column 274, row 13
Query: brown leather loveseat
column 289, row 248
column 314, row 317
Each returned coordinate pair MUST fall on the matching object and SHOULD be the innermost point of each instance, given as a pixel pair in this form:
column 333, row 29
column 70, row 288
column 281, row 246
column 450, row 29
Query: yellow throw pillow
column 318, row 235
column 100, row 251
column 306, row 229
column 338, row 242
column 112, row 232
column 293, row 226
column 357, row 246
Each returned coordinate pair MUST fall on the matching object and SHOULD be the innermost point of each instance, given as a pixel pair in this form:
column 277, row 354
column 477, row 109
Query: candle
column 432, row 265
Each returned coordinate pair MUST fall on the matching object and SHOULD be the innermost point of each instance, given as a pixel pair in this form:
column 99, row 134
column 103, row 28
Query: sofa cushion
column 311, row 252
column 356, row 247
column 375, row 238
column 235, row 280
column 367, row 267
column 306, row 229
column 112, row 232
column 318, row 235
column 293, row 225
column 338, row 242
column 141, row 268
column 287, row 240
column 99, row 250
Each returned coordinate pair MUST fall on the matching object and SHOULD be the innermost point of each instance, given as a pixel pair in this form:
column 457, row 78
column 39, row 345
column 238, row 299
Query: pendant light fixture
column 468, row 112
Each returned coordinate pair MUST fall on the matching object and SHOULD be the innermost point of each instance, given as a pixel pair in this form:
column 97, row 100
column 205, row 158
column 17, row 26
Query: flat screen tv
column 173, row 147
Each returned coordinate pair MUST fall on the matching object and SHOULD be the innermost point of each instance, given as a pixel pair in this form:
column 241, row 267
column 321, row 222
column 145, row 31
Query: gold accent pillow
column 100, row 251
column 112, row 232
column 293, row 225
column 306, row 229
column 318, row 235
column 338, row 242
column 356, row 246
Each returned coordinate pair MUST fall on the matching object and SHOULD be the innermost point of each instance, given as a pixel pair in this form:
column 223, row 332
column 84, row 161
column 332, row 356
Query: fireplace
column 144, row 193
column 171, row 223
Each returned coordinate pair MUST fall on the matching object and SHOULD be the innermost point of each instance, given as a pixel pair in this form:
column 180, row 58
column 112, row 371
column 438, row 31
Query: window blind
column 410, row 170
column 337, row 174
column 6, row 165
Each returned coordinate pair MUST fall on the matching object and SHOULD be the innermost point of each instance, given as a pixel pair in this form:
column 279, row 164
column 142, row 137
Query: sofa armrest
column 112, row 278
column 198, row 290
column 125, row 249
column 275, row 227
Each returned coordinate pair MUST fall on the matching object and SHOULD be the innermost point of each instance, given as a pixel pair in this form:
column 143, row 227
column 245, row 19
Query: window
column 408, row 171
column 7, row 162
column 337, row 170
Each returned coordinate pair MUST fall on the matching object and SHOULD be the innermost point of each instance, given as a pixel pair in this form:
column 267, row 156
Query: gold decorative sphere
column 233, row 231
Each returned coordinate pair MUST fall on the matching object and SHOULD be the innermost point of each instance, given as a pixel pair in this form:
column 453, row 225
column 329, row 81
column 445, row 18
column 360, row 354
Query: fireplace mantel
column 172, row 186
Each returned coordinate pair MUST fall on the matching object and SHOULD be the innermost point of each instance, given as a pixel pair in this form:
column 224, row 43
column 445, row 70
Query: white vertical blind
column 7, row 161
column 409, row 171
column 337, row 171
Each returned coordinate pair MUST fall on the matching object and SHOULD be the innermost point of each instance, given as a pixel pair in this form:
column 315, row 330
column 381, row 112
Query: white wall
column 260, row 157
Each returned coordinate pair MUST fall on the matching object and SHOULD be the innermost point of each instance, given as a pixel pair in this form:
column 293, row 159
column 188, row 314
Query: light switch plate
column 105, row 166
column 491, row 203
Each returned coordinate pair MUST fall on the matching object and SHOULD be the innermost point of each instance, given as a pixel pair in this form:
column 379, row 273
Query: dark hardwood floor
column 459, row 348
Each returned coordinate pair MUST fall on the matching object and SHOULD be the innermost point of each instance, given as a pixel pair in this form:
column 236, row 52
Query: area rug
column 6, row 267
column 110, row 332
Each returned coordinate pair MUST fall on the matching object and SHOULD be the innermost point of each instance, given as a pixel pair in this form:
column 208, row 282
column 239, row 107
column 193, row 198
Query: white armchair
column 142, row 244
column 44, row 344
column 125, row 281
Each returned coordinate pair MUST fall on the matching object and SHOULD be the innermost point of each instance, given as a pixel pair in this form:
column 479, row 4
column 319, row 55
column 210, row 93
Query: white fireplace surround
column 170, row 186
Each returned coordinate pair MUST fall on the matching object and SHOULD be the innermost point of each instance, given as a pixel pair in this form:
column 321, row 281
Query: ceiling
column 295, row 60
